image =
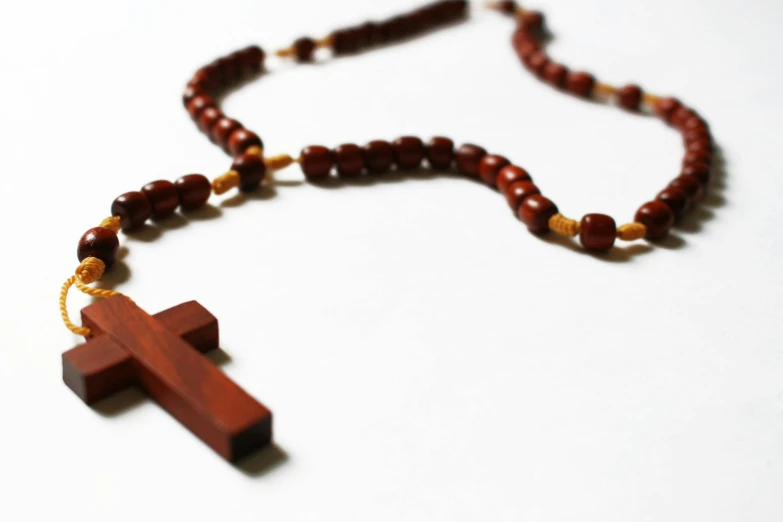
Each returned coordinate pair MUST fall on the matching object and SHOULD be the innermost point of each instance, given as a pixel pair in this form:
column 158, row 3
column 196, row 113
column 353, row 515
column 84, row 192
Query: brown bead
column 508, row 175
column 535, row 212
column 99, row 242
column 252, row 60
column 676, row 199
column 697, row 156
column 580, row 84
column 532, row 21
column 680, row 114
column 230, row 68
column 133, row 208
column 507, row 6
column 193, row 191
column 468, row 158
column 597, row 232
column 191, row 91
column 536, row 62
column 629, row 97
column 555, row 74
column 304, row 49
column 440, row 153
column 518, row 191
column 222, row 129
column 657, row 217
column 704, row 145
column 251, row 169
column 408, row 152
column 208, row 76
column 349, row 160
column 162, row 196
column 665, row 108
column 241, row 140
column 692, row 187
column 198, row 104
column 345, row 41
column 316, row 162
column 378, row 156
column 207, row 120
column 490, row 166
column 700, row 171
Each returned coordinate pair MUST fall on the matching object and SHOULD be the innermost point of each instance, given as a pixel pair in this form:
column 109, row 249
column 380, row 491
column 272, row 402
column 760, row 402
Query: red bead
column 349, row 160
column 490, row 166
column 241, row 140
column 532, row 22
column 704, row 145
column 518, row 191
column 676, row 199
column 580, row 84
column 692, row 187
column 597, row 232
column 507, row 6
column 697, row 156
column 536, row 62
column 207, row 120
column 440, row 153
column 700, row 171
column 316, row 162
column 304, row 49
column 230, row 69
column 251, row 169
column 535, row 212
column 468, row 157
column 555, row 74
column 657, row 217
column 222, row 129
column 162, row 196
column 101, row 243
column 629, row 97
column 408, row 152
column 198, row 104
column 191, row 91
column 665, row 108
column 133, row 208
column 378, row 156
column 508, row 175
column 252, row 60
column 193, row 191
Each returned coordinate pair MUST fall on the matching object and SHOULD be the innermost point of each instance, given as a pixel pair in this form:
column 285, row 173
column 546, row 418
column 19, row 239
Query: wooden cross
column 129, row 347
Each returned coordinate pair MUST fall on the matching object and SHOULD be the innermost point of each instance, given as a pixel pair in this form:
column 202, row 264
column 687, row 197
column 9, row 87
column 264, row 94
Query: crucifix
column 160, row 354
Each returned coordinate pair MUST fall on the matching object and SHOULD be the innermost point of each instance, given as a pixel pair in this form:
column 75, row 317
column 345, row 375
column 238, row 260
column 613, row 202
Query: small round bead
column 597, row 232
column 230, row 69
column 700, row 171
column 191, row 91
column 207, row 120
column 580, row 84
column 193, row 191
column 162, row 196
column 692, row 187
column 241, row 140
column 251, row 169
column 99, row 242
column 378, row 156
column 252, row 60
column 704, row 145
column 508, row 175
column 222, row 129
column 518, row 191
column 408, row 152
column 440, row 153
column 532, row 21
column 304, row 49
column 198, row 104
column 490, row 166
column 536, row 62
column 555, row 74
column 665, row 108
column 468, row 157
column 657, row 217
column 629, row 97
column 133, row 208
column 676, row 199
column 316, row 162
column 349, row 160
column 535, row 212
column 697, row 156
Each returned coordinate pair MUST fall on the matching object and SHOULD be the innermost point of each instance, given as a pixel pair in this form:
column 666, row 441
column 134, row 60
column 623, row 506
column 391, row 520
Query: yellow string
column 112, row 223
column 631, row 231
column 225, row 182
column 563, row 225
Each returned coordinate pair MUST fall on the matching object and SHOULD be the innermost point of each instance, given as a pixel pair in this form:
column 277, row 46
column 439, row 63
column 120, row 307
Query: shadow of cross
column 161, row 355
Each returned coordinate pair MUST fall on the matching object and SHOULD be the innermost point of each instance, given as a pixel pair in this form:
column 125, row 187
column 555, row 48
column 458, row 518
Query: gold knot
column 563, row 225
column 90, row 270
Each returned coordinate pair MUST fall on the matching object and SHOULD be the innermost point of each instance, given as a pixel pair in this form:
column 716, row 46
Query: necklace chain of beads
column 158, row 200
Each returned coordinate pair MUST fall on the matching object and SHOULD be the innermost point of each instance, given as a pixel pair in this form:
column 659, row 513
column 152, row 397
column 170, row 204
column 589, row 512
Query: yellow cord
column 631, row 231
column 563, row 225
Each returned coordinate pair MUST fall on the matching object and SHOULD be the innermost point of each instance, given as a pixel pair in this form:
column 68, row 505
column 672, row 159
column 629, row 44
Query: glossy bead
column 198, row 104
column 408, row 152
column 597, row 232
column 316, row 162
column 555, row 74
column 190, row 92
column 580, row 84
column 535, row 212
column 349, row 160
column 304, row 49
column 242, row 139
column 518, row 191
column 440, row 153
column 665, row 108
column 490, row 166
column 133, row 208
column 676, row 199
column 629, row 97
column 251, row 59
column 378, row 156
column 692, row 187
column 697, row 156
column 207, row 120
column 468, row 157
column 99, row 242
column 700, row 171
column 222, row 129
column 162, row 195
column 193, row 191
column 510, row 174
column 657, row 217
column 251, row 169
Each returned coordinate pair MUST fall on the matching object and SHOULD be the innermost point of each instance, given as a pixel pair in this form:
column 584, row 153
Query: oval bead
column 700, row 171
column 657, row 217
column 508, row 175
column 207, row 120
column 676, row 199
column 597, row 232
column 99, row 242
column 162, row 195
column 629, row 97
column 665, row 108
column 133, row 209
column 199, row 103
column 490, row 166
column 692, row 187
column 316, row 162
column 518, row 191
column 193, row 191
column 468, row 157
column 222, row 129
column 241, row 140
column 555, row 74
column 251, row 169
column 440, row 153
column 349, row 160
column 535, row 212
column 304, row 49
column 378, row 156
column 408, row 152
column 580, row 84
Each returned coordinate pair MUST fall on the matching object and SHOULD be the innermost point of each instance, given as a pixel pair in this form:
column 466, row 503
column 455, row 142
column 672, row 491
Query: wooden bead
column 208, row 76
column 676, row 199
column 536, row 62
column 304, row 49
column 241, row 140
column 507, row 6
column 657, row 217
column 191, row 91
column 193, row 191
column 665, row 108
column 316, row 162
column 230, row 68
column 580, row 84
column 508, row 175
column 378, row 156
column 468, row 158
column 518, row 191
column 349, row 160
column 207, row 120
column 133, row 208
column 99, row 242
column 345, row 41
column 162, row 195
column 555, row 74
column 700, row 171
column 252, row 60
column 629, row 97
column 408, row 152
column 251, row 169
column 490, row 166
column 222, row 129
column 440, row 153
column 535, row 212
column 532, row 22
column 692, row 187
column 198, row 104
column 697, row 156
column 597, row 232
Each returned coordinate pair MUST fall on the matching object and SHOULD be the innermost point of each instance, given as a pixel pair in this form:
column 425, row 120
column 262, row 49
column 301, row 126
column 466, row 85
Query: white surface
column 425, row 357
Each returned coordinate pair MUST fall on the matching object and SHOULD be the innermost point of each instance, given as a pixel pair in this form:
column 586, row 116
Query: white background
column 426, row 358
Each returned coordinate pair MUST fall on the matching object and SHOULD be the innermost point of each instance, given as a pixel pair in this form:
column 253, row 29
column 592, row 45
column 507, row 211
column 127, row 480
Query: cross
column 129, row 347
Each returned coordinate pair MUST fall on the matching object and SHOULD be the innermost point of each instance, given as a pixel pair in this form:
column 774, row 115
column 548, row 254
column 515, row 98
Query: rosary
column 128, row 347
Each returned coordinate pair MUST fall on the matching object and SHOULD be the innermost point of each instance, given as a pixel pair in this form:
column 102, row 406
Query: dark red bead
column 490, row 166
column 133, row 208
column 378, row 156
column 349, row 160
column 241, row 140
column 222, row 129
column 597, row 232
column 193, row 191
column 629, row 97
column 676, row 199
column 555, row 74
column 532, row 22
column 704, row 145
column 440, row 153
column 507, row 6
column 697, row 156
column 198, row 104
column 304, row 49
column 191, row 91
column 251, row 59
column 345, row 41
column 535, row 212
column 316, row 162
column 163, row 197
column 230, row 68
column 101, row 243
column 508, row 175
column 468, row 157
column 665, row 108
column 657, row 217
column 251, row 169
column 700, row 171
column 207, row 120
column 518, row 191
column 208, row 76
column 408, row 152
column 580, row 84
column 536, row 62
column 692, row 187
